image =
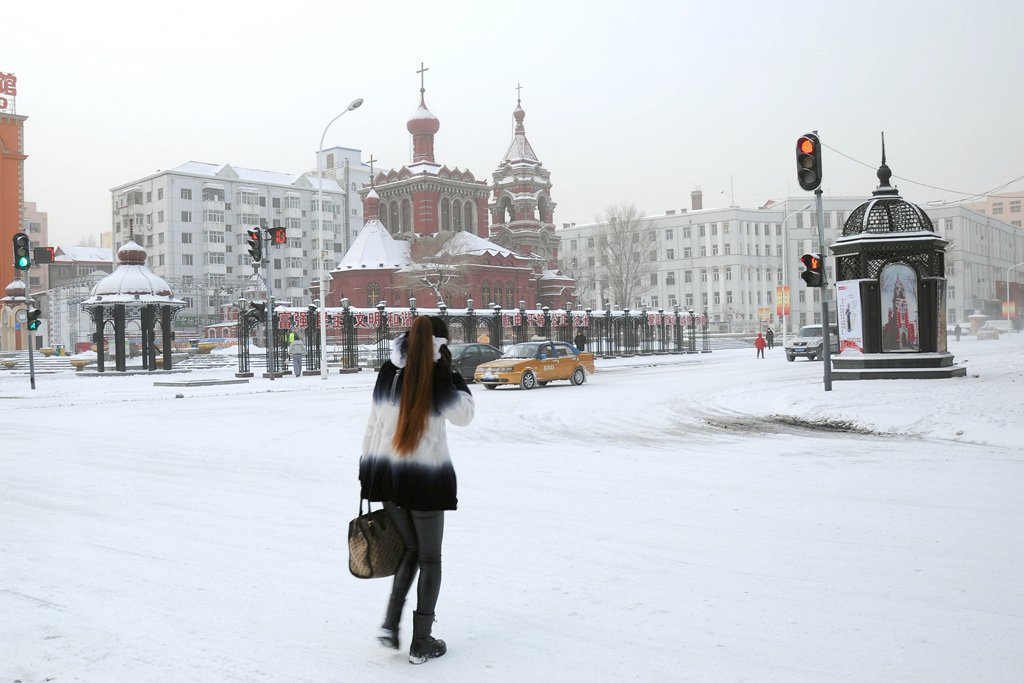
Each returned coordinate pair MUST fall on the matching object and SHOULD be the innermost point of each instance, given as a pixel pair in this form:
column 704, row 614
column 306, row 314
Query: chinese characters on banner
column 8, row 89
column 782, row 301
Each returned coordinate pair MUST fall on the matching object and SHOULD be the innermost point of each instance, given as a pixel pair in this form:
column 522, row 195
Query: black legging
column 421, row 533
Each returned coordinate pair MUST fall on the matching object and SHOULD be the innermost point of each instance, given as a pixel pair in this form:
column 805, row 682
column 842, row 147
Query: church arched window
column 542, row 207
column 510, row 295
column 467, row 222
column 485, row 293
column 382, row 216
column 446, row 214
column 395, row 225
column 372, row 294
column 457, row 216
column 406, row 216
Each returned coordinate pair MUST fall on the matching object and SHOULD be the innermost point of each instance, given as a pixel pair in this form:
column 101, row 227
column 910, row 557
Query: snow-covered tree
column 626, row 254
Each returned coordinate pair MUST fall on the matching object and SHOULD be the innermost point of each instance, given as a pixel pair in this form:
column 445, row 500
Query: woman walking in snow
column 405, row 464
column 759, row 344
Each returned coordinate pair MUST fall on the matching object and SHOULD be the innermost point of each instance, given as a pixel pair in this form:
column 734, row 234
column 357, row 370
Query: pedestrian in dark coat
column 769, row 337
column 580, row 341
column 759, row 344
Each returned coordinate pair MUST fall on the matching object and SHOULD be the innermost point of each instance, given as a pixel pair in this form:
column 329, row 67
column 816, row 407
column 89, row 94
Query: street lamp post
column 785, row 268
column 1008, row 294
column 320, row 229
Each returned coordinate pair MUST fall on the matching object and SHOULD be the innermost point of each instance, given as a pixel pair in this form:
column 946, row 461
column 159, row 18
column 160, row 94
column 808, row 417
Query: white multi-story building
column 1005, row 206
column 192, row 220
column 730, row 262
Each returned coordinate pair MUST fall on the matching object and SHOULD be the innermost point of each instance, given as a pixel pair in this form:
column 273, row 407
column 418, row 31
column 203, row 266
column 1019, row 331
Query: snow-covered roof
column 83, row 255
column 468, row 243
column 251, row 175
column 132, row 282
column 375, row 248
column 520, row 150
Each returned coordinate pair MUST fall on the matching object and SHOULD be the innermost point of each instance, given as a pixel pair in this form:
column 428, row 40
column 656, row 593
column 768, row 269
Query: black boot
column 424, row 646
column 389, row 631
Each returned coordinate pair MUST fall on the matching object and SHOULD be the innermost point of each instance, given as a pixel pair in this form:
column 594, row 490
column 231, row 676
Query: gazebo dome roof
column 15, row 290
column 132, row 282
column 886, row 211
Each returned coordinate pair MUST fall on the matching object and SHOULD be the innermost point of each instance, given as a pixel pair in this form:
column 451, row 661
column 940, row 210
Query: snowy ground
column 694, row 518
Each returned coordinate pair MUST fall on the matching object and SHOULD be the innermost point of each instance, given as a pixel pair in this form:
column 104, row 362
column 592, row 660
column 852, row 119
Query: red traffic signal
column 43, row 254
column 814, row 276
column 255, row 244
column 808, row 161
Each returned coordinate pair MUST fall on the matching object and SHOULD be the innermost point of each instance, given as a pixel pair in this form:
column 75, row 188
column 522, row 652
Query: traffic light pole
column 826, row 341
column 270, row 300
column 31, row 333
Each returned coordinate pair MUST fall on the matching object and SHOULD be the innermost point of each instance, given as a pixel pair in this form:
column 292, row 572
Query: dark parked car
column 465, row 357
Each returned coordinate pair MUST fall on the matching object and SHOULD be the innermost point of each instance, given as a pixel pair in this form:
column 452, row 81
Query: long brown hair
column 417, row 385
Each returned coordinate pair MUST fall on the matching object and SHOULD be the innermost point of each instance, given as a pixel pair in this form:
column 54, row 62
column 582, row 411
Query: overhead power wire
column 967, row 195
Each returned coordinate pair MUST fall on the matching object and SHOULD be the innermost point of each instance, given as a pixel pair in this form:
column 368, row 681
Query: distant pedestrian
column 769, row 337
column 297, row 349
column 956, row 331
column 580, row 341
column 759, row 344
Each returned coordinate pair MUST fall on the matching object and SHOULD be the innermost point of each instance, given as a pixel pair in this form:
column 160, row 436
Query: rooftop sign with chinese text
column 8, row 89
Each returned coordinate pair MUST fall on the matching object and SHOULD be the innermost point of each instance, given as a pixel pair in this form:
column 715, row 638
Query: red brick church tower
column 522, row 215
column 424, row 197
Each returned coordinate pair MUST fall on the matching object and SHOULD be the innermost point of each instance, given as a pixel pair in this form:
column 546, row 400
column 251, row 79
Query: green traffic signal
column 22, row 252
column 33, row 319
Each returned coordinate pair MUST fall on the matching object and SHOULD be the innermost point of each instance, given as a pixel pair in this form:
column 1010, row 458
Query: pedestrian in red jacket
column 759, row 344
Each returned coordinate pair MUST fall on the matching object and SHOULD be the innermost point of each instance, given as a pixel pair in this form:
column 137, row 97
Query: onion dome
column 423, row 121
column 132, row 253
column 886, row 211
column 16, row 290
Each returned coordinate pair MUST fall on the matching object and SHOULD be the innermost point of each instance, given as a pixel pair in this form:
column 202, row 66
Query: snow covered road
column 688, row 519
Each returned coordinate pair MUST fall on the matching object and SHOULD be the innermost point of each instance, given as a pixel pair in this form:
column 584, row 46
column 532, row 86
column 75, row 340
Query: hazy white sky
column 626, row 101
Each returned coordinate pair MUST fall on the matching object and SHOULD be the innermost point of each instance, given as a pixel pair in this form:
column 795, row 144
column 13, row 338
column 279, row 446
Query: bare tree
column 626, row 253
column 87, row 241
column 440, row 266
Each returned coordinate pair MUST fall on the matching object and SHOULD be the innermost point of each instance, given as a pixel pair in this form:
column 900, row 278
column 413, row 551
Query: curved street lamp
column 355, row 104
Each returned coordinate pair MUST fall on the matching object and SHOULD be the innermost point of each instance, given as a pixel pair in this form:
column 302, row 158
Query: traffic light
column 43, row 255
column 808, row 161
column 22, row 251
column 255, row 244
column 278, row 235
column 258, row 311
column 33, row 318
column 814, row 276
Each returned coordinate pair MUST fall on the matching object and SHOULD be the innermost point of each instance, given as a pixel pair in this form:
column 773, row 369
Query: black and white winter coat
column 423, row 479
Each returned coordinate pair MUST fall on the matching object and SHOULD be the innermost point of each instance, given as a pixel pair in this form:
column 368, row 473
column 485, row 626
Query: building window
column 446, row 215
column 778, row 250
column 703, row 274
column 186, row 237
column 467, row 224
column 291, row 202
column 728, row 297
column 248, row 197
column 654, row 278
column 670, row 254
column 952, row 292
column 159, row 216
column 160, row 259
column 714, row 250
column 654, row 302
column 186, row 259
column 689, row 300
column 801, row 296
column 591, row 261
column 186, row 216
column 728, row 272
column 687, row 252
column 372, row 294
column 715, row 274
column 703, row 251
column 686, row 232
column 714, row 228
column 687, row 276
column 1015, row 206
column 670, row 277
column 210, row 216
column 728, row 248
column 702, row 231
column 159, row 193
column 510, row 295
column 186, row 193
column 997, row 208
column 670, row 234
column 485, row 293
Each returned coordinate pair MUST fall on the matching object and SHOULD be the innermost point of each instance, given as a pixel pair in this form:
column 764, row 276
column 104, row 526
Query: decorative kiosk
column 891, row 291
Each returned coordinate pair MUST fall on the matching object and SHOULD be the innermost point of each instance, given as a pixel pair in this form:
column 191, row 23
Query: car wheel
column 790, row 357
column 578, row 377
column 491, row 386
column 528, row 381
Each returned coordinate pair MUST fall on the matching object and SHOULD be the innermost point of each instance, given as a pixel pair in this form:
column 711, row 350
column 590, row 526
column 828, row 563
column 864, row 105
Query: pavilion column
column 165, row 326
column 119, row 323
column 97, row 315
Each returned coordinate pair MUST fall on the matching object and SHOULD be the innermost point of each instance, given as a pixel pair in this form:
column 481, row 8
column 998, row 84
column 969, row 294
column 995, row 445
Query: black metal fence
column 362, row 336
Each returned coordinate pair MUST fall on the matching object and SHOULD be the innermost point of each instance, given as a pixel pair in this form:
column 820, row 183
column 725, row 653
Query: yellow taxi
column 536, row 363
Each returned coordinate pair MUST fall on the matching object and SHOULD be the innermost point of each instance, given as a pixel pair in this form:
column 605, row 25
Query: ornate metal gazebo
column 133, row 293
column 891, row 286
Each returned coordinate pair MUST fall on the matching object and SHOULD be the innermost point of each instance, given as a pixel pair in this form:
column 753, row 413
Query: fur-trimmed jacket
column 425, row 478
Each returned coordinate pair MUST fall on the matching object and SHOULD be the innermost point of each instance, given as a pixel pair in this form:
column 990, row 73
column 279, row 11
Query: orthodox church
column 440, row 235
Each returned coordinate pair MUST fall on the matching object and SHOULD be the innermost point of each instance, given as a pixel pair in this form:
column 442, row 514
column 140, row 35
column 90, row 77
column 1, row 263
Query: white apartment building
column 730, row 262
column 192, row 220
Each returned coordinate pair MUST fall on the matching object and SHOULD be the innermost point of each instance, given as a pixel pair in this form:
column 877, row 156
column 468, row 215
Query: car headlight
column 498, row 370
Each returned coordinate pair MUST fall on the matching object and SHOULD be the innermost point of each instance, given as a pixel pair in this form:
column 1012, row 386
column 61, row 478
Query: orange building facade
column 12, row 176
